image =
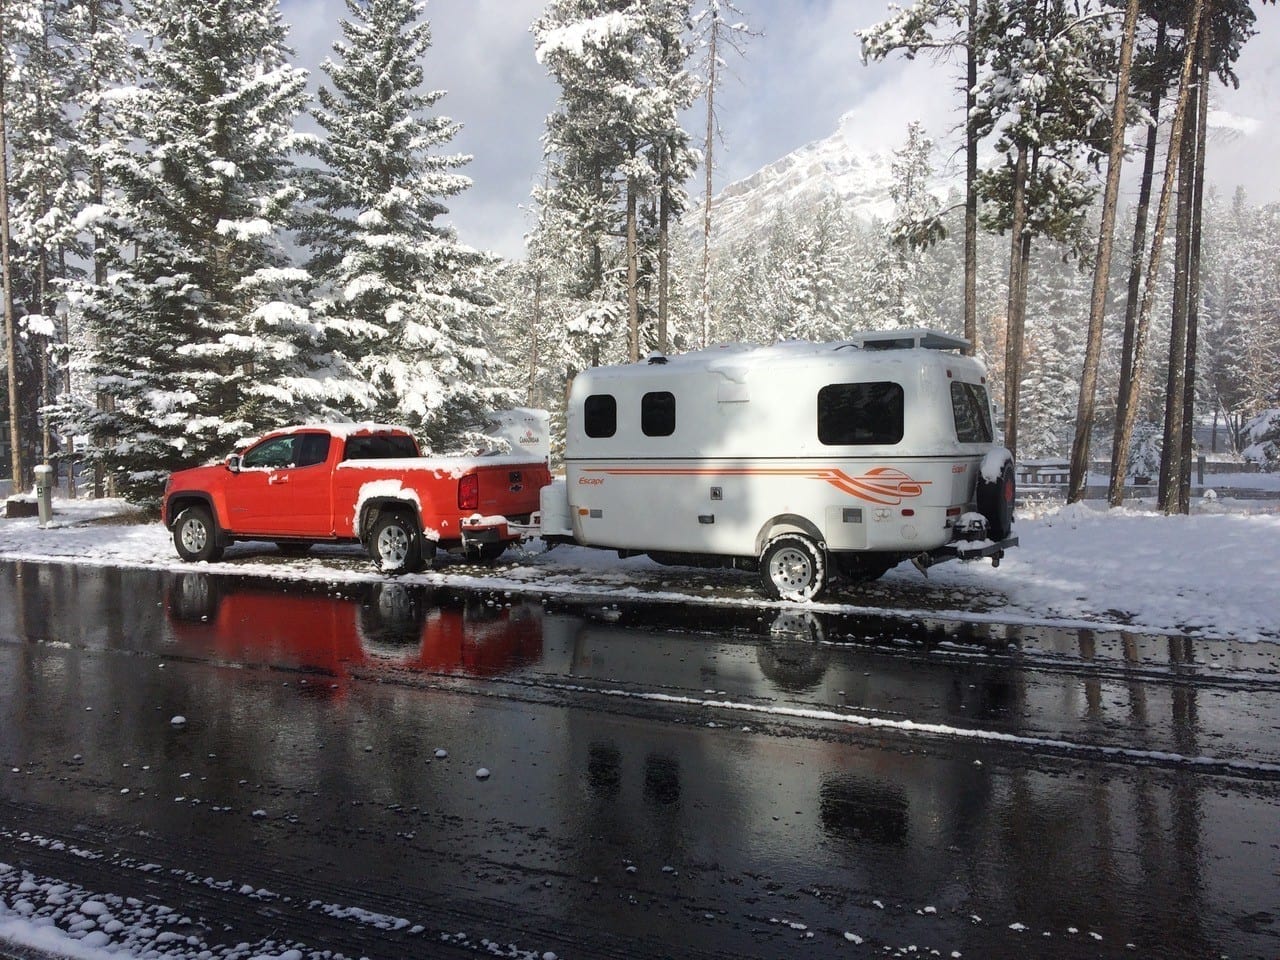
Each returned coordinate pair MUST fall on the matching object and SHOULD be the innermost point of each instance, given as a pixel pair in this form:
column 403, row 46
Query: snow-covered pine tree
column 615, row 144
column 43, row 198
column 404, row 292
column 100, row 62
column 1044, row 99
column 202, row 336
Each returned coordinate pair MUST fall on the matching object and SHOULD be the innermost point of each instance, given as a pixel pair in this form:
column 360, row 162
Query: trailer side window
column 600, row 415
column 860, row 413
column 658, row 414
column 972, row 412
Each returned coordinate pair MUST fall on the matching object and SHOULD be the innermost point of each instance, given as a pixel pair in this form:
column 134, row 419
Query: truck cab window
column 600, row 415
column 311, row 449
column 658, row 414
column 379, row 447
column 854, row 414
column 271, row 454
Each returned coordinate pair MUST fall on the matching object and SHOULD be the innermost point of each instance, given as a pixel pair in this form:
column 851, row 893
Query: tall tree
column 402, row 295
column 615, row 144
column 1044, row 98
column 716, row 33
column 944, row 27
column 16, row 439
column 1129, row 399
column 1080, row 444
column 202, row 330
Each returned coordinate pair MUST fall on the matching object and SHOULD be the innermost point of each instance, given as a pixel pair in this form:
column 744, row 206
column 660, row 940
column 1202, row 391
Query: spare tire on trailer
column 995, row 494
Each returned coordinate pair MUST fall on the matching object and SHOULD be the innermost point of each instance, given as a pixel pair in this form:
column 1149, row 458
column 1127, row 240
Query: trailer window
column 658, row 414
column 972, row 412
column 860, row 413
column 600, row 415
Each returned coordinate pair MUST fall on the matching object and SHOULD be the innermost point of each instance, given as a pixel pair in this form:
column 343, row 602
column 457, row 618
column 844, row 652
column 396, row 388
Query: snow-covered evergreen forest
column 199, row 244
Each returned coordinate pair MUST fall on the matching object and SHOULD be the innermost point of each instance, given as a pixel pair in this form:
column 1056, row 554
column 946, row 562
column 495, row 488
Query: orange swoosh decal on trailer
column 884, row 485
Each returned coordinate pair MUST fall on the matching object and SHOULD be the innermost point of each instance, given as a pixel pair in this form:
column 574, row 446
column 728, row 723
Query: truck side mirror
column 233, row 463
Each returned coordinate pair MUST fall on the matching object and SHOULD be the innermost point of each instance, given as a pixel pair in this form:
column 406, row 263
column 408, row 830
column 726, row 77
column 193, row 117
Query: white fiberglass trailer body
column 797, row 457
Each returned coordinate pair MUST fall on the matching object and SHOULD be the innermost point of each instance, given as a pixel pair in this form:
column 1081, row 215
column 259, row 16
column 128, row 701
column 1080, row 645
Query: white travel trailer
column 794, row 459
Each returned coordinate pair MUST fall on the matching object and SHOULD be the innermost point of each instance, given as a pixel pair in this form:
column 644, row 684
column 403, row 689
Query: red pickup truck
column 364, row 483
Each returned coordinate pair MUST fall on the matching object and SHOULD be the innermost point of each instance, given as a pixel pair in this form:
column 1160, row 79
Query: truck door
column 283, row 487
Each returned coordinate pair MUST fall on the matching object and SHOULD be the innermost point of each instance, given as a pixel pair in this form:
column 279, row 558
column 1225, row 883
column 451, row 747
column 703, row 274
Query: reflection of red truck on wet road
column 352, row 482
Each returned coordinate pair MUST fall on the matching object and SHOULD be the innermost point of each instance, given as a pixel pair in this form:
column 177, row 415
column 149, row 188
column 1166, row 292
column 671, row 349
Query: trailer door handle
column 706, row 518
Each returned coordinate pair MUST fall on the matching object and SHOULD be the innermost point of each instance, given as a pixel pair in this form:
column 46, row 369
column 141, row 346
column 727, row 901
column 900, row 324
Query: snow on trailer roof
column 908, row 339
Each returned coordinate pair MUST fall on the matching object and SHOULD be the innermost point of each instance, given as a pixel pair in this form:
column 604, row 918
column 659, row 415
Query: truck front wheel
column 793, row 567
column 195, row 536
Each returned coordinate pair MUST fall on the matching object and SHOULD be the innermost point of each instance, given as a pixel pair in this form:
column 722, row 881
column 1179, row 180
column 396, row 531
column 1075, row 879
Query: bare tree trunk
column 1102, row 266
column 531, row 394
column 6, row 280
column 1124, row 428
column 1193, row 285
column 1014, row 317
column 664, row 249
column 633, row 276
column 1175, row 384
column 707, row 168
column 971, row 187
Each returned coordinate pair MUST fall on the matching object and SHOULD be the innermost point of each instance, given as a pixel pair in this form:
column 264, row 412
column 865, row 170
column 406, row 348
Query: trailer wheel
column 195, row 537
column 793, row 567
column 395, row 543
column 995, row 502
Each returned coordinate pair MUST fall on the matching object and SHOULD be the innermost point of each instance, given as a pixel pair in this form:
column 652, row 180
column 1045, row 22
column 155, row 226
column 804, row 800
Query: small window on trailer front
column 860, row 414
column 658, row 414
column 600, row 415
column 972, row 412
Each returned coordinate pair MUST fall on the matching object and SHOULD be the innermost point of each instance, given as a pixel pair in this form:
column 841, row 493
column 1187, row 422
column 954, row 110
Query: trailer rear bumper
column 964, row 550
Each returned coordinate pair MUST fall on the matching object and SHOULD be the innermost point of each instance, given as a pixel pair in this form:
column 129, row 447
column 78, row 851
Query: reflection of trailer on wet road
column 792, row 459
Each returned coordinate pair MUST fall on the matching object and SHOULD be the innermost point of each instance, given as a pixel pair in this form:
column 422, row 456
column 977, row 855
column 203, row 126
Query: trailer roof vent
column 908, row 339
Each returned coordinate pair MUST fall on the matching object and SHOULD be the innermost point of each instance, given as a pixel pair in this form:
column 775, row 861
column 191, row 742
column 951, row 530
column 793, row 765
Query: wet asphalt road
column 660, row 782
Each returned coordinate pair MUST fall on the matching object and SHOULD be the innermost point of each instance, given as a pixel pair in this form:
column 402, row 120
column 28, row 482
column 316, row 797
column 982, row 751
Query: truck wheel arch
column 195, row 498
column 376, row 506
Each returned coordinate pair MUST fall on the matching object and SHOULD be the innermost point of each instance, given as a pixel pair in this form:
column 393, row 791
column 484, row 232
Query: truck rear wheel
column 793, row 567
column 395, row 543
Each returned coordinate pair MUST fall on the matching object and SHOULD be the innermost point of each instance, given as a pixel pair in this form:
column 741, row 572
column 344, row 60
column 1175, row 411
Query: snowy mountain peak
column 836, row 166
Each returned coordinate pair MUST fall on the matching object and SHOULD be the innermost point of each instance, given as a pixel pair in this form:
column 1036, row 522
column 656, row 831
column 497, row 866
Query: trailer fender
column 788, row 523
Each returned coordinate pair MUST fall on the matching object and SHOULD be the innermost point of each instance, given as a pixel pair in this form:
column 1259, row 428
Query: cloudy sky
column 798, row 78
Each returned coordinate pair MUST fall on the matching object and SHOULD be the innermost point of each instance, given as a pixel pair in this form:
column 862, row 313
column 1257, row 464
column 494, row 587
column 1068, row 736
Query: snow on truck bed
column 1210, row 574
column 446, row 466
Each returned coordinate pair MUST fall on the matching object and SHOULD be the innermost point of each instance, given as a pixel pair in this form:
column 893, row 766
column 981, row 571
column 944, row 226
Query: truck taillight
column 469, row 492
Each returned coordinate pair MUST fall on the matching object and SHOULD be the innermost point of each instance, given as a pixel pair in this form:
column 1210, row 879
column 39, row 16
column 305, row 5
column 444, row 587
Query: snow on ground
column 1210, row 574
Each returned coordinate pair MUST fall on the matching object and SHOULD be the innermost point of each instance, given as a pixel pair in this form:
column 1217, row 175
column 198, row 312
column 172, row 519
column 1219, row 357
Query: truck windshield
column 380, row 447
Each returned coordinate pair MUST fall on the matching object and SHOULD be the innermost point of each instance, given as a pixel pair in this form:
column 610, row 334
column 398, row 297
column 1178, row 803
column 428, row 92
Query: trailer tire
column 995, row 502
column 395, row 543
column 793, row 567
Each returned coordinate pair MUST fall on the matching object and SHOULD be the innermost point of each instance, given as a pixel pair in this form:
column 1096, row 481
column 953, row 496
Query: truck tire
column 395, row 543
column 195, row 537
column 793, row 567
column 995, row 502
